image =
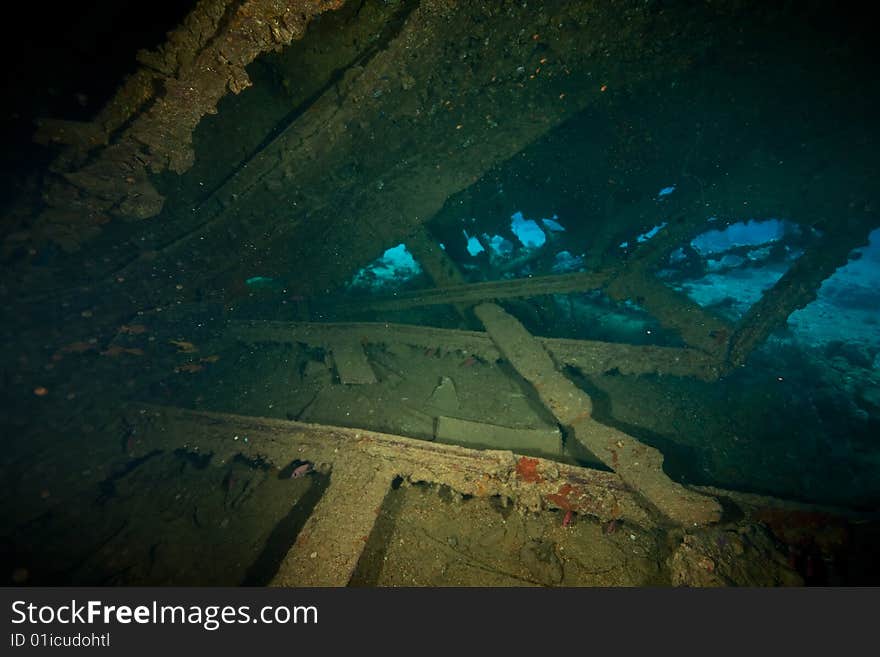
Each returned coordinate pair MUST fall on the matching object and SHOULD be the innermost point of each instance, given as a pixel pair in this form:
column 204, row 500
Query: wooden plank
column 546, row 441
column 328, row 548
column 640, row 466
column 468, row 471
column 324, row 334
column 590, row 356
column 477, row 292
column 351, row 362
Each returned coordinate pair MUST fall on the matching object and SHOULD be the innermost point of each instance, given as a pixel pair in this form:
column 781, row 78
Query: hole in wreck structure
column 362, row 234
column 846, row 313
column 727, row 269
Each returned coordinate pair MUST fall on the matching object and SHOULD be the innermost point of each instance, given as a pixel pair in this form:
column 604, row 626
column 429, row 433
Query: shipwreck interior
column 424, row 292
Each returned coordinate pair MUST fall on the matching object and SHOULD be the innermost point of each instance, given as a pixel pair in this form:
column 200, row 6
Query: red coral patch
column 560, row 497
column 527, row 469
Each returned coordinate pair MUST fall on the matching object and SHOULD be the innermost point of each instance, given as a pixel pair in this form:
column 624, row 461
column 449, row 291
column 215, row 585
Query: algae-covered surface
column 292, row 210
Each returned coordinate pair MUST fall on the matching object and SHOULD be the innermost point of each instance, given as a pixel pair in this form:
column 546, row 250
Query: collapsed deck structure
column 374, row 123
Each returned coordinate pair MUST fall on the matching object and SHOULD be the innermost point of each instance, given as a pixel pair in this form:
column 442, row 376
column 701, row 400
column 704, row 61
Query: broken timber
column 362, row 466
column 640, row 466
column 148, row 126
column 351, row 362
column 589, row 356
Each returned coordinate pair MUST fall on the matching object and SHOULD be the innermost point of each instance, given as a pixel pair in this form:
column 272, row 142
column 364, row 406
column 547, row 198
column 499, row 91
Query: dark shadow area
column 283, row 536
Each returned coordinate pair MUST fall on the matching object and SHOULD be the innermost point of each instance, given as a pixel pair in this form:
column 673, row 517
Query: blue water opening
column 847, row 307
column 473, row 244
column 392, row 269
column 744, row 233
column 527, row 231
column 566, row 262
column 728, row 269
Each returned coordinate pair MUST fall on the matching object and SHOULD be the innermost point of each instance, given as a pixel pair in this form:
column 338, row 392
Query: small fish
column 261, row 282
column 209, row 359
column 132, row 329
column 301, row 470
column 115, row 350
column 296, row 470
column 183, row 346
column 78, row 347
column 189, row 368
column 74, row 348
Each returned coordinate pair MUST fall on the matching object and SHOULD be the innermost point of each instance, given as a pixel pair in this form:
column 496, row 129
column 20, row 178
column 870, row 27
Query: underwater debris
column 745, row 556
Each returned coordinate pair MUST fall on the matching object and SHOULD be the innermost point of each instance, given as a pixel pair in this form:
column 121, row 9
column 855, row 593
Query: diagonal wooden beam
column 327, row 550
column 639, row 465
